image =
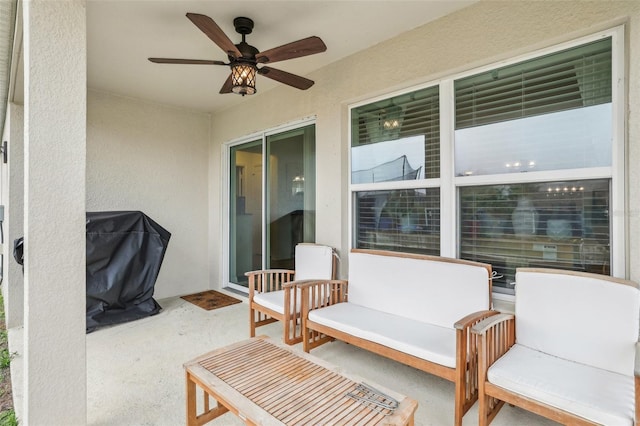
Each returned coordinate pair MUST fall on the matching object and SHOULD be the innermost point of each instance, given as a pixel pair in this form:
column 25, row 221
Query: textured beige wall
column 484, row 33
column 54, row 353
column 152, row 158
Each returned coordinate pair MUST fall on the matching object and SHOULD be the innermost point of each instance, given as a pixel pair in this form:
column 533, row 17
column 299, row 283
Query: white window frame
column 449, row 183
column 394, row 185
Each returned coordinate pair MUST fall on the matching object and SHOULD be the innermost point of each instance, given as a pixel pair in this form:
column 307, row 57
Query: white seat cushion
column 426, row 341
column 273, row 300
column 596, row 394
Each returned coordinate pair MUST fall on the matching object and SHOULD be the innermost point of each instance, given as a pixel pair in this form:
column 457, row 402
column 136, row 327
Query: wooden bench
column 415, row 309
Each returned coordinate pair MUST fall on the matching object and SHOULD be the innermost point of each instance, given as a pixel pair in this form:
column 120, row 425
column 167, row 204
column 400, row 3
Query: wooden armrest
column 495, row 336
column 295, row 283
column 467, row 361
column 636, row 369
column 473, row 318
column 320, row 293
column 483, row 326
column 636, row 373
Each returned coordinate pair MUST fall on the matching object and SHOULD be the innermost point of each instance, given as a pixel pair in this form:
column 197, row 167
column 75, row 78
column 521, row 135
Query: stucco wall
column 13, row 226
column 147, row 157
column 484, row 33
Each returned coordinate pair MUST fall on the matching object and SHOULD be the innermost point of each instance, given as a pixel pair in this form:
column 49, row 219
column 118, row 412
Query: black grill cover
column 125, row 250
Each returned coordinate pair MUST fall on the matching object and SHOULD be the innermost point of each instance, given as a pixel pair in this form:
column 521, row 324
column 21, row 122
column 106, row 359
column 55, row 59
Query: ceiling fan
column 244, row 58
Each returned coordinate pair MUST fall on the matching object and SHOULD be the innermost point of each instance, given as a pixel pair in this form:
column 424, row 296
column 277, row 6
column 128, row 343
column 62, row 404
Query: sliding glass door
column 271, row 201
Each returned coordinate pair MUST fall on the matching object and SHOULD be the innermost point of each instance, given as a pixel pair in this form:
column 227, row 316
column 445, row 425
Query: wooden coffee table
column 266, row 383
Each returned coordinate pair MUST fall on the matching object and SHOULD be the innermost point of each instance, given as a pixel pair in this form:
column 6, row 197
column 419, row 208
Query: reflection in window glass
column 396, row 138
column 570, row 139
column 402, row 159
column 405, row 220
column 549, row 113
column 562, row 225
column 291, row 194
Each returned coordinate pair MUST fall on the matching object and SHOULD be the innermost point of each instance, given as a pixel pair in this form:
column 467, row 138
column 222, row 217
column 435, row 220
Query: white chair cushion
column 598, row 395
column 434, row 292
column 314, row 261
column 273, row 300
column 585, row 319
column 426, row 341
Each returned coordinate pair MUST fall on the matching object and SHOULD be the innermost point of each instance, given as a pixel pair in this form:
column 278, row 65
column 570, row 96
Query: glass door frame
column 226, row 192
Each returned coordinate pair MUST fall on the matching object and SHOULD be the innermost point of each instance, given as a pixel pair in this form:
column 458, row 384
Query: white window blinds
column 550, row 113
column 573, row 78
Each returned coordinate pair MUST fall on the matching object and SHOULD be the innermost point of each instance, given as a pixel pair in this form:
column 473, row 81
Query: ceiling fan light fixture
column 243, row 78
column 244, row 58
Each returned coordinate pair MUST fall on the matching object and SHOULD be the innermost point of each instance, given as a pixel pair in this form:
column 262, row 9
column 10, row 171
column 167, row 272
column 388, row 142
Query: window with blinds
column 394, row 141
column 549, row 113
column 551, row 224
column 396, row 138
column 532, row 171
column 542, row 115
column 406, row 220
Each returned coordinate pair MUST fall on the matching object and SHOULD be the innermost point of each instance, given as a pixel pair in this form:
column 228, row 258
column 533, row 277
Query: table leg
column 410, row 420
column 191, row 402
column 193, row 419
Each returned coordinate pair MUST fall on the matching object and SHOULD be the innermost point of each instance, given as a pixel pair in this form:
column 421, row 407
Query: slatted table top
column 269, row 384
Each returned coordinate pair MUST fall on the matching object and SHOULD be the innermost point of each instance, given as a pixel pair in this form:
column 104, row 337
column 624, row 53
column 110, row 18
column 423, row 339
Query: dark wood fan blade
column 227, row 86
column 213, row 31
column 296, row 49
column 286, row 78
column 185, row 61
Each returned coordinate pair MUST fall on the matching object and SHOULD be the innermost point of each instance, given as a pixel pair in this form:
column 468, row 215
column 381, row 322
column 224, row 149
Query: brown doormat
column 211, row 299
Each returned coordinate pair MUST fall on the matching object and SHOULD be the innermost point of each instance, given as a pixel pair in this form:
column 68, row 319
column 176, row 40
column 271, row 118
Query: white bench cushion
column 428, row 291
column 586, row 319
column 426, row 341
column 593, row 393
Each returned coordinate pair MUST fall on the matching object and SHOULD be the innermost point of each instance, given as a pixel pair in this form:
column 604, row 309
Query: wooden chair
column 273, row 293
column 570, row 352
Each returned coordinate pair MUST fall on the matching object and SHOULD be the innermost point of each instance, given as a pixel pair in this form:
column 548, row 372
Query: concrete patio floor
column 135, row 374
